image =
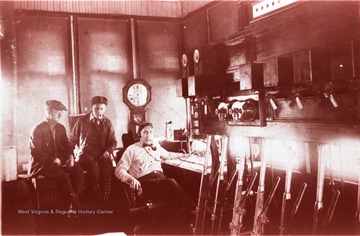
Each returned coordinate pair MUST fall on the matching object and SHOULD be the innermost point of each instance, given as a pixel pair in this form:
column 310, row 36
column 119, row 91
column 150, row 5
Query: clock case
column 137, row 113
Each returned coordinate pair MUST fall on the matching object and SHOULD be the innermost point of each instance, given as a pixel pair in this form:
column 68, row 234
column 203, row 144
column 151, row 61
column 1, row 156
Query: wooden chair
column 47, row 195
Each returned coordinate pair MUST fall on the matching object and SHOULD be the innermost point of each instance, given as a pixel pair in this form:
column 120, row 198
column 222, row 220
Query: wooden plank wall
column 161, row 8
column 168, row 8
column 188, row 6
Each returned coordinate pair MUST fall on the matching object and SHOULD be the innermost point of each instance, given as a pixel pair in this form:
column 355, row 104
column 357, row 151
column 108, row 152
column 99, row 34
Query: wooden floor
column 93, row 219
column 115, row 217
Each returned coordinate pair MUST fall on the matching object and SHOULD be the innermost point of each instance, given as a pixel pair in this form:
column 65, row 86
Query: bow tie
column 152, row 146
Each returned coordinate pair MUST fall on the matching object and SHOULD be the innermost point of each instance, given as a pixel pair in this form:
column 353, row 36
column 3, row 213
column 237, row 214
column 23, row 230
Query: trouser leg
column 91, row 166
column 168, row 190
column 172, row 190
column 158, row 186
column 107, row 173
column 150, row 187
column 77, row 178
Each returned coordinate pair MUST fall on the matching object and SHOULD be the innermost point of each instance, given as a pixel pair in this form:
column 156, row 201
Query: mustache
column 149, row 140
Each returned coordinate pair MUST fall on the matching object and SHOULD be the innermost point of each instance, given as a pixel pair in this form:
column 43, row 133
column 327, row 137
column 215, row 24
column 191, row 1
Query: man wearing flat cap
column 52, row 153
column 94, row 138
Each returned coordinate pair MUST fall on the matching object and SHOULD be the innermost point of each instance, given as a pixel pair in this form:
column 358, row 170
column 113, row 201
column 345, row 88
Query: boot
column 75, row 203
column 97, row 192
column 106, row 190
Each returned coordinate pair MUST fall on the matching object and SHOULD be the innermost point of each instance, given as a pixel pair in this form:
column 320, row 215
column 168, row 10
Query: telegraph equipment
column 222, row 111
column 250, row 110
column 243, row 110
column 246, row 110
column 236, row 110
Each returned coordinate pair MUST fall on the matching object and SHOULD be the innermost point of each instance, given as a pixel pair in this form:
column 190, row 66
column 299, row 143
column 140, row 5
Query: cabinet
column 223, row 25
column 195, row 31
column 278, row 71
column 302, row 67
column 204, row 61
column 250, row 76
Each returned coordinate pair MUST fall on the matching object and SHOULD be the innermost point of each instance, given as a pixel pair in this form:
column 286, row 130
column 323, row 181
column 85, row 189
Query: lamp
column 299, row 101
column 272, row 101
column 270, row 97
column 330, row 94
column 332, row 98
column 2, row 28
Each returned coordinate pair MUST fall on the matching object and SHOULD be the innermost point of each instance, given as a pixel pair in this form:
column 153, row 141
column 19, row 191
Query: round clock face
column 137, row 94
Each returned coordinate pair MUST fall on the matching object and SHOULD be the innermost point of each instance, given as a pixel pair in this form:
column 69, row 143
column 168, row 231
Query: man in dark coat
column 52, row 153
column 94, row 138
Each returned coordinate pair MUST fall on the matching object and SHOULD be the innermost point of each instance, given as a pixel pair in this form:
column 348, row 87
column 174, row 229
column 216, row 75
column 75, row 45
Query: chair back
column 128, row 139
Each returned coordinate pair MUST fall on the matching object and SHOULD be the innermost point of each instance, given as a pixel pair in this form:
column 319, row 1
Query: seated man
column 52, row 153
column 94, row 138
column 140, row 167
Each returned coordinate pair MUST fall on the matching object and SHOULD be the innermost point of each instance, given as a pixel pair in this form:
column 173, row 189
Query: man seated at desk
column 140, row 167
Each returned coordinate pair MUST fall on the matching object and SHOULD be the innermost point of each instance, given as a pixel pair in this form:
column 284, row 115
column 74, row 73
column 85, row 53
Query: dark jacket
column 80, row 132
column 44, row 149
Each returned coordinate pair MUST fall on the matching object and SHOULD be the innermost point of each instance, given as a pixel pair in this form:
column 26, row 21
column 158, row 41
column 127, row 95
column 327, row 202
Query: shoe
column 75, row 202
column 72, row 212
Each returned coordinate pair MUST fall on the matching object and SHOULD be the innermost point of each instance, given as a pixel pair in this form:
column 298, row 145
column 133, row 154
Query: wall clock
column 137, row 94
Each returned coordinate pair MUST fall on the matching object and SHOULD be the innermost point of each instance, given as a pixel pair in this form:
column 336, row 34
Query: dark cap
column 145, row 124
column 99, row 100
column 54, row 104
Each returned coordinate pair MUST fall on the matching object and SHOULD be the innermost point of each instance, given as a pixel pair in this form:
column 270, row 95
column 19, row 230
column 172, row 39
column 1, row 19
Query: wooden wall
column 105, row 66
column 309, row 25
column 162, row 8
column 170, row 8
column 104, row 63
column 41, row 75
column 159, row 55
column 42, row 51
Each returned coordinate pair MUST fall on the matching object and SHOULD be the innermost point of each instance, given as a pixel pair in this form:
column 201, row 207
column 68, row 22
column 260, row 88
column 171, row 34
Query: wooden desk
column 196, row 164
column 173, row 145
column 193, row 163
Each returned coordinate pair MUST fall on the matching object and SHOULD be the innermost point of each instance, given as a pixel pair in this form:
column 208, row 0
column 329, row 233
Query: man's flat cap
column 54, row 104
column 99, row 100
